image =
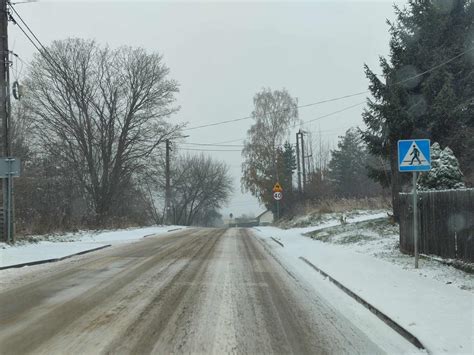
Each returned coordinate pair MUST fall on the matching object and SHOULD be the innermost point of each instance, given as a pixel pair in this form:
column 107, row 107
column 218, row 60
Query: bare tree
column 101, row 112
column 200, row 187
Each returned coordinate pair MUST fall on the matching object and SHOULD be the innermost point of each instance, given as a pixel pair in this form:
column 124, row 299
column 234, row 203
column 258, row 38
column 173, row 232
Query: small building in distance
column 265, row 218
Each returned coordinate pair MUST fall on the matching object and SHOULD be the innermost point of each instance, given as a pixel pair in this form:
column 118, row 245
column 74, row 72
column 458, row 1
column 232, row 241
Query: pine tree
column 286, row 165
column 445, row 172
column 425, row 93
column 348, row 167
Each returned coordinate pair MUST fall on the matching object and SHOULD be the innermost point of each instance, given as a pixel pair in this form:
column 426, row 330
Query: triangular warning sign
column 414, row 157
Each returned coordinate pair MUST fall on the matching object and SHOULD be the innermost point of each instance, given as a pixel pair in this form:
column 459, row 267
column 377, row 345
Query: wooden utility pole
column 5, row 66
column 168, row 185
column 298, row 164
column 303, row 161
column 5, row 117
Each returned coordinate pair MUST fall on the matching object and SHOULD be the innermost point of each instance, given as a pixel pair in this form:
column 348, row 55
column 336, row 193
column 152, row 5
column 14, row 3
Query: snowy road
column 196, row 291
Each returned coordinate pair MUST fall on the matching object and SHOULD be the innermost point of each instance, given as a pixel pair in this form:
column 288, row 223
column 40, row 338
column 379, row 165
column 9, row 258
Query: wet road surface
column 195, row 291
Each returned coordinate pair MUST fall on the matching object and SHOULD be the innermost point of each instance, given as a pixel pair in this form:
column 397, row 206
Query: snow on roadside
column 440, row 315
column 380, row 239
column 333, row 219
column 59, row 246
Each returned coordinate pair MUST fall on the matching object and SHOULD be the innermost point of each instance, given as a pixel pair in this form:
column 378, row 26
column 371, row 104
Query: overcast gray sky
column 223, row 52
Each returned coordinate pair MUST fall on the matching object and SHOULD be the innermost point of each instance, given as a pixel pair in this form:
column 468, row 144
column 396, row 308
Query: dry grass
column 313, row 213
column 344, row 205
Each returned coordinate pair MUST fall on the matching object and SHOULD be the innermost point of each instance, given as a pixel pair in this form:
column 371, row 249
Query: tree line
column 269, row 157
column 90, row 130
column 426, row 91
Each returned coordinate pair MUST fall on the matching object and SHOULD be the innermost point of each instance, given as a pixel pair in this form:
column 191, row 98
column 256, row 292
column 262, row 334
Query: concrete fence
column 446, row 223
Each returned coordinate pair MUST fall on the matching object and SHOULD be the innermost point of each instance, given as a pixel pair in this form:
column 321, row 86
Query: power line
column 300, row 106
column 211, row 150
column 214, row 144
column 332, row 113
column 341, row 97
column 231, row 141
column 48, row 57
column 26, row 25
column 44, row 52
column 218, row 144
column 435, row 67
column 302, row 123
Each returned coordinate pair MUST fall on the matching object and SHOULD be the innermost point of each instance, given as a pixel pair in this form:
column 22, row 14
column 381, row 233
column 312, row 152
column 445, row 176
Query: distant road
column 196, row 291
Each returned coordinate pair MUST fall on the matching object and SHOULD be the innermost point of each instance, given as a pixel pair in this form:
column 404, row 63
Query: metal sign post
column 414, row 155
column 278, row 210
column 9, row 168
column 415, row 220
column 277, row 196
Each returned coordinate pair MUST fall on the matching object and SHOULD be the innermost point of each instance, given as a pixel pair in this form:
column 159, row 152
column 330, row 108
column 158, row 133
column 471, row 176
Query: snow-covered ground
column 306, row 224
column 435, row 302
column 378, row 238
column 59, row 246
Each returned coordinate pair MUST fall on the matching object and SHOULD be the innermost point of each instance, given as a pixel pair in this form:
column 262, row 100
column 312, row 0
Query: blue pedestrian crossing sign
column 414, row 155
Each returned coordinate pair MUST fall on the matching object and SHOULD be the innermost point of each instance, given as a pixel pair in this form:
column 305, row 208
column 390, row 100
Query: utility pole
column 168, row 186
column 298, row 164
column 303, row 161
column 5, row 117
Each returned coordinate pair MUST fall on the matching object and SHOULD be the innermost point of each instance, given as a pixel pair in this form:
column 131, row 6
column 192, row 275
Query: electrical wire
column 47, row 57
column 299, row 106
column 26, row 25
column 302, row 123
column 341, row 97
column 214, row 145
column 332, row 113
column 44, row 52
column 231, row 141
column 210, row 150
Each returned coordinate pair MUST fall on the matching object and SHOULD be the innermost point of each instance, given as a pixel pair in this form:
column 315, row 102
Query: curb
column 175, row 229
column 38, row 262
column 277, row 241
column 389, row 321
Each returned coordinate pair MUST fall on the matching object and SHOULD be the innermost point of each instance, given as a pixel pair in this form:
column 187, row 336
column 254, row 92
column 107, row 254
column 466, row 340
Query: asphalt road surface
column 195, row 291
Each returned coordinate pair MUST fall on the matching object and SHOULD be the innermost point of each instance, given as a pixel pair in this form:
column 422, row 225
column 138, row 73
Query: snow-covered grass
column 58, row 246
column 317, row 218
column 435, row 302
column 380, row 239
column 106, row 235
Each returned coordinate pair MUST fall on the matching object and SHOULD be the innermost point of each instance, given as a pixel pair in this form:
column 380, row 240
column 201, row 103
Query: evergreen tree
column 445, row 172
column 286, row 165
column 428, row 85
column 348, row 167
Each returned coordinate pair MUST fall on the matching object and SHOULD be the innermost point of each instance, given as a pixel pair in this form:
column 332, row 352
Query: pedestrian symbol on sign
column 415, row 152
